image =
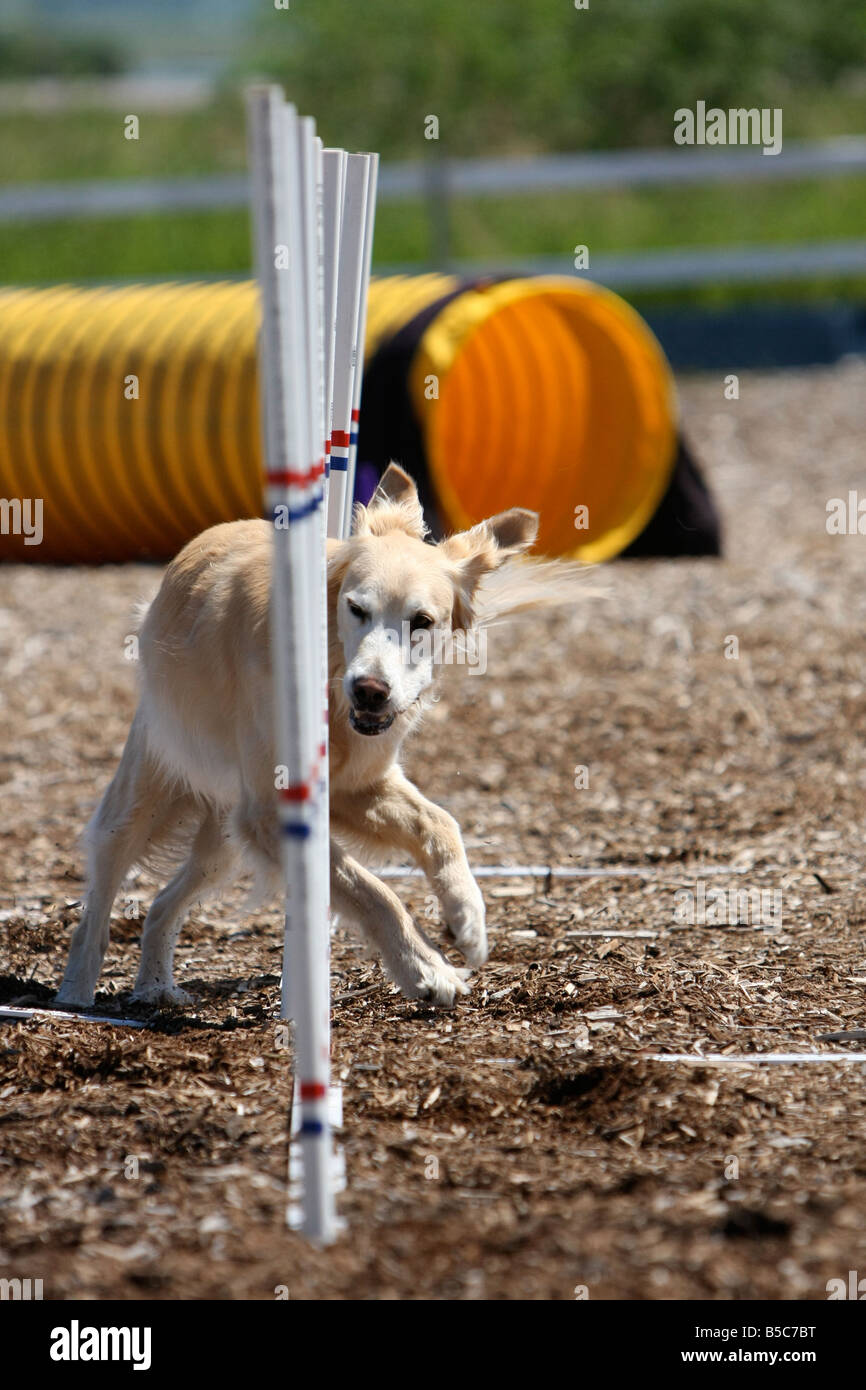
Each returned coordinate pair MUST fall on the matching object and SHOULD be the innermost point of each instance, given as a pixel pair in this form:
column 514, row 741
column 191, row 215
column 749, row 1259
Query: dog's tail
column 525, row 588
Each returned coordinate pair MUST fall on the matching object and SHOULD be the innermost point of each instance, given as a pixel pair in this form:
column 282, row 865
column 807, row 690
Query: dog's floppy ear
column 394, row 506
column 484, row 548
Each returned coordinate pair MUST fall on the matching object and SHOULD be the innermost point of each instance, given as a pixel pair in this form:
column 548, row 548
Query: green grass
column 91, row 145
column 493, row 229
column 125, row 248
column 656, row 217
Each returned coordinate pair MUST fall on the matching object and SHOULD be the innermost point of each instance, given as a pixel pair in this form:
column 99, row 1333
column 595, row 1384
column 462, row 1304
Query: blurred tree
column 24, row 54
column 540, row 74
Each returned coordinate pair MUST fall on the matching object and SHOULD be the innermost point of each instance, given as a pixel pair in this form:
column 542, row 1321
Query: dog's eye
column 421, row 622
column 358, row 612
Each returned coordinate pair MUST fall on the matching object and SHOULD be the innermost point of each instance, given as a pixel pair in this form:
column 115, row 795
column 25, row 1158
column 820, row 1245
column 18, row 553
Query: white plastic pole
column 333, row 180
column 309, row 375
column 361, row 335
column 325, row 360
column 284, row 188
column 349, row 278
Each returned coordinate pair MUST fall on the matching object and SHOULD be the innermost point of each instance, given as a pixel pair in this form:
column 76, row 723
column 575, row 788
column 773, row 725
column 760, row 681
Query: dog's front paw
column 152, row 992
column 431, row 978
column 465, row 923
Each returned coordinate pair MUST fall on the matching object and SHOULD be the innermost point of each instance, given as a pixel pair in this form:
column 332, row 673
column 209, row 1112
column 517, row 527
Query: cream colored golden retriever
column 197, row 774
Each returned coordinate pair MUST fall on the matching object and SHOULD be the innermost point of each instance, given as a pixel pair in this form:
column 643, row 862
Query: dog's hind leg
column 208, row 866
column 134, row 807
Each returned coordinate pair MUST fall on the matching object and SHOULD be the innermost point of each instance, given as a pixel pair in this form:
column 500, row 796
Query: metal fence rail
column 439, row 180
column 457, row 177
column 689, row 266
column 628, row 168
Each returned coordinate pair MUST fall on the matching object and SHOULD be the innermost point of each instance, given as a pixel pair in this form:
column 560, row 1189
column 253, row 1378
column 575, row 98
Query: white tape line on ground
column 567, row 871
column 12, row 1014
column 756, row 1058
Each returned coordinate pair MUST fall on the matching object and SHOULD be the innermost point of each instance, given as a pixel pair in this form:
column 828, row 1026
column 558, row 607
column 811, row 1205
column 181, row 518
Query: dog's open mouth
column 363, row 722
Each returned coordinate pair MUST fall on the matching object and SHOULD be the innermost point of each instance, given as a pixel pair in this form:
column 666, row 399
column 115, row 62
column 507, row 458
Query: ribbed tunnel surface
column 132, row 413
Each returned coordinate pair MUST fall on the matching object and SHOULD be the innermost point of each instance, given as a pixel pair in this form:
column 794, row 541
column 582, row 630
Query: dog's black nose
column 370, row 694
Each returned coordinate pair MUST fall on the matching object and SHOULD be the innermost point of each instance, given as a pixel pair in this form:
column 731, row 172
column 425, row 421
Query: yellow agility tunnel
column 132, row 413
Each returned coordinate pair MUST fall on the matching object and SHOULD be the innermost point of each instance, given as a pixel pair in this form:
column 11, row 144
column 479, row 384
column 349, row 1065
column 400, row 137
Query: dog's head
column 400, row 601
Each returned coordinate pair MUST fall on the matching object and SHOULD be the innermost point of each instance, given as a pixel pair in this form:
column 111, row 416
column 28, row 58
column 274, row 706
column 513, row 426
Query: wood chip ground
column 524, row 1144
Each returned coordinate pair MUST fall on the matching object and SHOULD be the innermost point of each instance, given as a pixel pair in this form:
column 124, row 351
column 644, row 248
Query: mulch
column 526, row 1143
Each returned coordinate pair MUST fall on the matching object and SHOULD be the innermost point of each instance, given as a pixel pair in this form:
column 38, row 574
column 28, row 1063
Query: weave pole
column 348, row 351
column 313, row 213
column 333, row 189
column 287, row 217
column 360, row 337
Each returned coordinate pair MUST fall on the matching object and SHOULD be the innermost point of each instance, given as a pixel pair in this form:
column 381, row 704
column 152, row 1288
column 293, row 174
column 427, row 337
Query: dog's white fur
column 197, row 774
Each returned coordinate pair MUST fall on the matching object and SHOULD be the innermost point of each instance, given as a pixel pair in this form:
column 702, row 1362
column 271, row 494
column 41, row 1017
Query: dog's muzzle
column 363, row 722
column 368, row 714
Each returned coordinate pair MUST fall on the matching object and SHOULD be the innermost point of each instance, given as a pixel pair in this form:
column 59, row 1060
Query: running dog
column 195, row 784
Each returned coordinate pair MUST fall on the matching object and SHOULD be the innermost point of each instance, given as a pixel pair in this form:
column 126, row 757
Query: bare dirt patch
column 525, row 1142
